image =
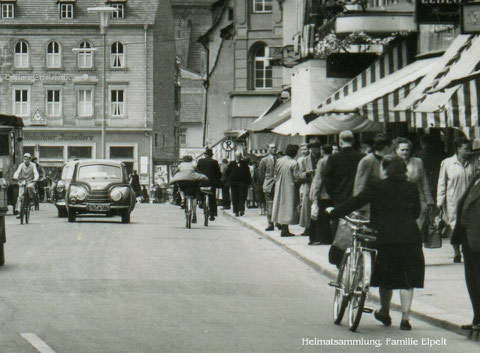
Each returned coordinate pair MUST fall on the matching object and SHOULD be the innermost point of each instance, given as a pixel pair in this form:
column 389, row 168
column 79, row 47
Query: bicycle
column 353, row 280
column 207, row 191
column 25, row 203
column 190, row 190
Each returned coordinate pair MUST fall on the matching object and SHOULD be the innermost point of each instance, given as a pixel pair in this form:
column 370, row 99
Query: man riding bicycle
column 26, row 172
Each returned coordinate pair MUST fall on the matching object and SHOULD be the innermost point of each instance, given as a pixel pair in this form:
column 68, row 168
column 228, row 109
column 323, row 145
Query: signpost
column 437, row 11
column 228, row 145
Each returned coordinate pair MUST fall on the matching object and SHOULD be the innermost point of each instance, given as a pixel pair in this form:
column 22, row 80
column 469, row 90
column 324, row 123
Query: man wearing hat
column 210, row 168
column 267, row 177
column 467, row 234
column 307, row 165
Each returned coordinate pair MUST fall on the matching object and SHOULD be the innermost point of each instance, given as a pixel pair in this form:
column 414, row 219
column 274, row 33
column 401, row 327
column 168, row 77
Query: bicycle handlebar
column 357, row 221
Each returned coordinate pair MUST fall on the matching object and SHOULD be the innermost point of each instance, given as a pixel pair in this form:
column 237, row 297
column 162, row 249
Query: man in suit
column 239, row 178
column 467, row 234
column 210, row 168
column 340, row 171
column 266, row 173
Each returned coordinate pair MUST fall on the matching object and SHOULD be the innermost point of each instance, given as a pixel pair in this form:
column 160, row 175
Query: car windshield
column 99, row 171
column 67, row 173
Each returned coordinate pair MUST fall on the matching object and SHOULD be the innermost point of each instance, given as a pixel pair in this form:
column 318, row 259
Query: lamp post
column 104, row 15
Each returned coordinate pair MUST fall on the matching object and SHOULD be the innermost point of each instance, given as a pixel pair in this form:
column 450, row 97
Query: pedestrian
column 335, row 148
column 467, row 234
column 250, row 193
column 340, row 173
column 135, row 184
column 416, row 174
column 40, row 184
column 225, row 186
column 210, row 168
column 456, row 172
column 307, row 165
column 267, row 177
column 285, row 199
column 319, row 197
column 258, row 190
column 432, row 154
column 238, row 176
column 394, row 207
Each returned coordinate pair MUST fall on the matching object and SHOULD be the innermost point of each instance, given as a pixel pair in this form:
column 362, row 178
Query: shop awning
column 11, row 120
column 334, row 123
column 273, row 117
column 376, row 99
column 440, row 99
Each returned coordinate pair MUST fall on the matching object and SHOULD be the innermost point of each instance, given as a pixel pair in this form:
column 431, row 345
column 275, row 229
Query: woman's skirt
column 399, row 266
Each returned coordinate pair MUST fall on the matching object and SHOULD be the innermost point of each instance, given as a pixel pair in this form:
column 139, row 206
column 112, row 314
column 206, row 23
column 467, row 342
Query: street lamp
column 104, row 14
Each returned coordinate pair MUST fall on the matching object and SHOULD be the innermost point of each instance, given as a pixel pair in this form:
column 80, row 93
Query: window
column 117, row 55
column 122, row 152
column 4, row 145
column 260, row 6
column 51, row 152
column 21, row 102
column 8, row 10
column 54, row 104
column 85, row 57
column 85, row 102
column 230, row 14
column 53, row 55
column 21, row 55
column 117, row 102
column 79, row 152
column 120, row 13
column 262, row 71
column 66, row 10
column 182, row 137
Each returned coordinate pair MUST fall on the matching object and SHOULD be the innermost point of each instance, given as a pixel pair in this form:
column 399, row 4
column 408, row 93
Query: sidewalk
column 444, row 301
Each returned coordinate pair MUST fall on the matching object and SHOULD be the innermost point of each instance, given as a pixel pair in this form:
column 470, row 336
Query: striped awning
column 274, row 116
column 442, row 99
column 375, row 100
column 391, row 61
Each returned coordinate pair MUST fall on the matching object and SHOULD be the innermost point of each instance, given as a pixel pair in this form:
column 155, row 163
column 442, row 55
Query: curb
column 430, row 319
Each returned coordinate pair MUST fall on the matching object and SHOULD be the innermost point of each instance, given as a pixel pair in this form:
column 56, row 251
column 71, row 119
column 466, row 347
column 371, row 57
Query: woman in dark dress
column 394, row 208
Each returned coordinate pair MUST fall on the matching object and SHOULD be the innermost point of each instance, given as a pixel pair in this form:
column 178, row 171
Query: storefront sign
column 56, row 137
column 470, row 18
column 37, row 77
column 437, row 11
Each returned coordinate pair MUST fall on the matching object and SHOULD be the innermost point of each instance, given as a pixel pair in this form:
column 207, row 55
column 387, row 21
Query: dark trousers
column 226, row 197
column 239, row 197
column 472, row 270
column 212, row 201
column 320, row 230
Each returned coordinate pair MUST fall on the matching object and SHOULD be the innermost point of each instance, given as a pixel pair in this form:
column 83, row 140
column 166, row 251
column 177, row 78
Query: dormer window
column 8, row 10
column 120, row 13
column 66, row 11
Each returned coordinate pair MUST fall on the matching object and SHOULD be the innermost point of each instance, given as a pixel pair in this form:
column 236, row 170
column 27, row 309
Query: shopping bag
column 343, row 237
column 433, row 229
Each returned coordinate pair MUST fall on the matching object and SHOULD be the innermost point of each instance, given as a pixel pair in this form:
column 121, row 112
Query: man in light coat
column 266, row 174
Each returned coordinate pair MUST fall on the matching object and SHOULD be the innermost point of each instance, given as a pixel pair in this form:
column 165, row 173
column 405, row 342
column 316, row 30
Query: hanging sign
column 470, row 19
column 437, row 11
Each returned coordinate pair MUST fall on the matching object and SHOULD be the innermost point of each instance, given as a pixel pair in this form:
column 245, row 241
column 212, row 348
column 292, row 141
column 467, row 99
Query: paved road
column 152, row 286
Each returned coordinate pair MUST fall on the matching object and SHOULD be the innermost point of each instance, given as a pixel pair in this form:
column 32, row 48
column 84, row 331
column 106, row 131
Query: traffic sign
column 228, row 145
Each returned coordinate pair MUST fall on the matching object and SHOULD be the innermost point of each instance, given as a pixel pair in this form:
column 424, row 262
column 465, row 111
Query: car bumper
column 83, row 208
column 61, row 204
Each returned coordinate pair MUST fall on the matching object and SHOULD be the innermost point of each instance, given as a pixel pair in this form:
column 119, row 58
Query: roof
column 100, row 161
column 10, row 120
column 45, row 12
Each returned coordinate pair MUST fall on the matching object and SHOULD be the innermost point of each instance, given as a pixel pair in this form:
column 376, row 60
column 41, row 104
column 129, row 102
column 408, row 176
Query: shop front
column 54, row 148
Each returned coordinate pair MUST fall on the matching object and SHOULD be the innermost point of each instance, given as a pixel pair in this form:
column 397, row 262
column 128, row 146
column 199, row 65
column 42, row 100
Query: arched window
column 21, row 55
column 85, row 56
column 117, row 55
column 262, row 71
column 53, row 54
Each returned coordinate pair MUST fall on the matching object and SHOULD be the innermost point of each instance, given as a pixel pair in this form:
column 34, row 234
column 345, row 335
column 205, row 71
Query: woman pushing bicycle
column 394, row 208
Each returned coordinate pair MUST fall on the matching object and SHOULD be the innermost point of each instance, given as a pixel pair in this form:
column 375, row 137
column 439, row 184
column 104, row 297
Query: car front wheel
column 126, row 216
column 71, row 216
column 62, row 213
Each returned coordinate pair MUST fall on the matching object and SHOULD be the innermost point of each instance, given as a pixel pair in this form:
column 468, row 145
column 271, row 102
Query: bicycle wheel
column 188, row 213
column 22, row 210
column 359, row 294
column 340, row 299
column 27, row 209
column 206, row 211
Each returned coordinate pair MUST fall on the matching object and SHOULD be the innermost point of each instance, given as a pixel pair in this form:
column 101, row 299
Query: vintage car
column 61, row 187
column 100, row 186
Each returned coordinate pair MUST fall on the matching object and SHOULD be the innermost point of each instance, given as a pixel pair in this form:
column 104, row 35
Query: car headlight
column 116, row 195
column 78, row 193
column 60, row 186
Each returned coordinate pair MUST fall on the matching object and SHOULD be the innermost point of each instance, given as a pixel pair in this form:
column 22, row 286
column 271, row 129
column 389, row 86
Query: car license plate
column 98, row 207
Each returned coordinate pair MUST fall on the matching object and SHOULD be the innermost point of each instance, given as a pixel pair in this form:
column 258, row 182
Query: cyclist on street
column 27, row 171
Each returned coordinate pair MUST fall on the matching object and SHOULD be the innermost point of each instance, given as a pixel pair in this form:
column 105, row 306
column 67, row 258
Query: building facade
column 52, row 77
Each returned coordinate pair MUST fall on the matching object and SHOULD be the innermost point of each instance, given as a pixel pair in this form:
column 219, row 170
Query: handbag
column 432, row 230
column 343, row 237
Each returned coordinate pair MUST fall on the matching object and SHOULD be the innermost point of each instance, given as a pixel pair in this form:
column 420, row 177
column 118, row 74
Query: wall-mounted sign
column 56, row 137
column 38, row 77
column 437, row 11
column 470, row 23
column 38, row 119
column 228, row 145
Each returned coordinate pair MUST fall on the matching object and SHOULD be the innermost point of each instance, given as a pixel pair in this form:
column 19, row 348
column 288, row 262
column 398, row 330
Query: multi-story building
column 51, row 76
